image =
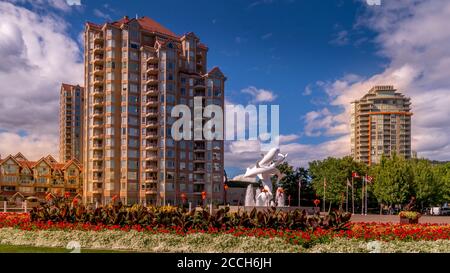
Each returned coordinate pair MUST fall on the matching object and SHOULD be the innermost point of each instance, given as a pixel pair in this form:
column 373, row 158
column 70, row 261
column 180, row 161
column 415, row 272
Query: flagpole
column 346, row 197
column 353, row 198
column 324, row 192
column 362, row 197
column 366, row 195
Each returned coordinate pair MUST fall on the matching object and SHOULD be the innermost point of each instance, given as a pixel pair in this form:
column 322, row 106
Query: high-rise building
column 70, row 122
column 380, row 124
column 136, row 71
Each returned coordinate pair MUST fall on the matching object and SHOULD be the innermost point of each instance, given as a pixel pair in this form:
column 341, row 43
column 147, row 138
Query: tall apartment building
column 135, row 72
column 380, row 124
column 70, row 122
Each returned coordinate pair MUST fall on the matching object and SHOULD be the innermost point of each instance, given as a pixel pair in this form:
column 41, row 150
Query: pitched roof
column 151, row 25
column 66, row 86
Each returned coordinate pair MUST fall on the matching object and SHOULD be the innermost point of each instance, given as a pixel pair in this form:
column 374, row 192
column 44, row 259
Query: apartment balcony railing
column 98, row 136
column 97, row 113
column 98, row 102
column 98, row 49
column 151, row 91
column 151, row 80
column 98, row 70
column 152, row 58
column 152, row 69
column 151, row 102
column 149, row 155
column 98, row 37
column 97, row 155
column 98, row 59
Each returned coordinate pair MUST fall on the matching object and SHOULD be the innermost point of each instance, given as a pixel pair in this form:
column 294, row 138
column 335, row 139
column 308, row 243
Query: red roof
column 66, row 86
column 153, row 26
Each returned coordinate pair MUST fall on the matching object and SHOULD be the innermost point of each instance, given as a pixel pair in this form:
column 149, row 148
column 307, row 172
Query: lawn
column 33, row 249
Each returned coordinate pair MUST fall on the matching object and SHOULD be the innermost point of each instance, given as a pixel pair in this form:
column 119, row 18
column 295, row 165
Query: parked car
column 445, row 211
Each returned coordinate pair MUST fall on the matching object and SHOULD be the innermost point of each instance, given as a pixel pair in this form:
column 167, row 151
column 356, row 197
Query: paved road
column 395, row 219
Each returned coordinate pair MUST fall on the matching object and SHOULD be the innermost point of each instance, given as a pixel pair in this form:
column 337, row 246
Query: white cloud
column 45, row 56
column 267, row 36
column 102, row 15
column 259, row 95
column 73, row 2
column 242, row 154
column 62, row 5
column 32, row 147
column 340, row 38
column 308, row 90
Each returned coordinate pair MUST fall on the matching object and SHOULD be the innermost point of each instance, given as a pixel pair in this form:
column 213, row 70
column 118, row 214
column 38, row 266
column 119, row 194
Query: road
column 396, row 219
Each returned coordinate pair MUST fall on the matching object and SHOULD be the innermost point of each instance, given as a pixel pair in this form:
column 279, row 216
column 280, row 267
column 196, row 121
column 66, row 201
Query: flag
column 348, row 183
column 369, row 179
column 355, row 175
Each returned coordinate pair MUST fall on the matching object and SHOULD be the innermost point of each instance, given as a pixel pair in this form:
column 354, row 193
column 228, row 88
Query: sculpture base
column 309, row 210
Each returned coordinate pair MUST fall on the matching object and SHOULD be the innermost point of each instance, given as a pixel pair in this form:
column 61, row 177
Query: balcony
column 152, row 69
column 97, row 125
column 151, row 156
column 152, row 58
column 199, row 147
column 98, row 81
column 98, row 136
column 98, row 59
column 151, row 135
column 151, row 114
column 98, row 103
column 151, row 168
column 97, row 155
column 97, row 114
column 199, row 83
column 98, row 92
column 151, row 102
column 199, row 170
column 151, row 80
column 98, row 49
column 97, row 147
column 151, row 91
column 98, row 70
column 199, row 158
column 151, row 124
column 98, row 38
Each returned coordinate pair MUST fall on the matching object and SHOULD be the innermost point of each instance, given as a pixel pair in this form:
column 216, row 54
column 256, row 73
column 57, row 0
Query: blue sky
column 281, row 46
column 310, row 57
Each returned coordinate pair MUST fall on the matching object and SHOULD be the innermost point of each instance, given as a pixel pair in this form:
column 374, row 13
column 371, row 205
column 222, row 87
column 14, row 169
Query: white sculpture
column 265, row 169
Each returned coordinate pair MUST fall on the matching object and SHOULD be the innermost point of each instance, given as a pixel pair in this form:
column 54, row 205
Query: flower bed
column 298, row 239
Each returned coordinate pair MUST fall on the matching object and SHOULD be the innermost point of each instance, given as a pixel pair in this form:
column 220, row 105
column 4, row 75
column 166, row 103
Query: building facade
column 136, row 71
column 70, row 122
column 380, row 124
column 19, row 176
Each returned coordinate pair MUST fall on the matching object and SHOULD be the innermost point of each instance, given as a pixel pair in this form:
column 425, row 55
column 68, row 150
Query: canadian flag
column 355, row 175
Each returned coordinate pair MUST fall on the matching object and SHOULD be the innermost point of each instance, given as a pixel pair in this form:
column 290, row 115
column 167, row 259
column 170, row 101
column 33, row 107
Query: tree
column 393, row 180
column 290, row 182
column 336, row 171
column 442, row 176
column 427, row 187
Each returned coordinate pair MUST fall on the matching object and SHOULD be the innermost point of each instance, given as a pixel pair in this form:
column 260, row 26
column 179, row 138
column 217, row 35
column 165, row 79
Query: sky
column 312, row 58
